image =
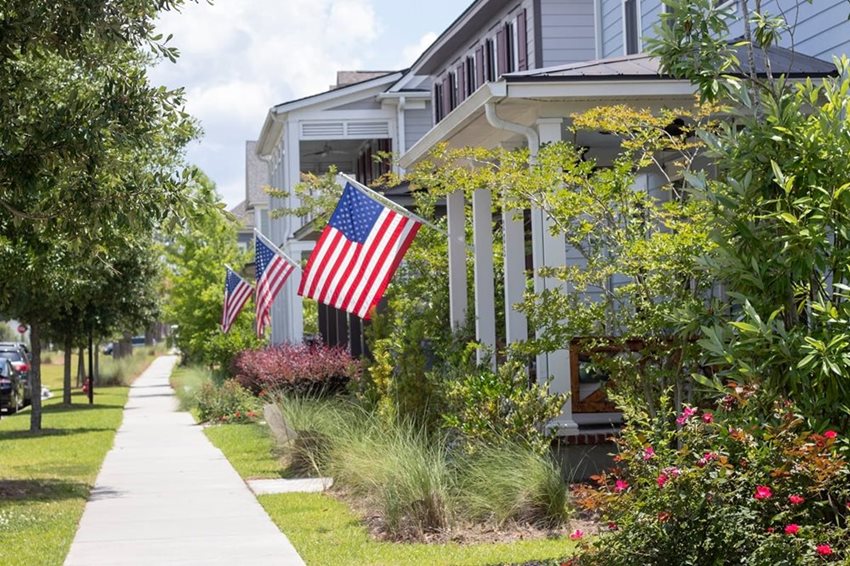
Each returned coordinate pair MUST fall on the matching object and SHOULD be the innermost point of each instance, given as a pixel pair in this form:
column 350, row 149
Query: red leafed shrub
column 298, row 368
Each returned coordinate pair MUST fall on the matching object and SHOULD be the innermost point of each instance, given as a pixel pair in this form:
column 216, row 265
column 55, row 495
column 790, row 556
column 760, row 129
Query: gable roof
column 782, row 61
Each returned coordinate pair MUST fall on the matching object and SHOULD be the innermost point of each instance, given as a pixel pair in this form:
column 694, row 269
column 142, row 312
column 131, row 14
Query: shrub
column 295, row 369
column 484, row 407
column 121, row 371
column 187, row 382
column 228, row 402
column 722, row 487
column 512, row 482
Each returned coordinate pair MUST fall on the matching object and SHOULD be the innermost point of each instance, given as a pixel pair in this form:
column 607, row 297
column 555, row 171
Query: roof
column 345, row 78
column 379, row 79
column 244, row 217
column 783, row 62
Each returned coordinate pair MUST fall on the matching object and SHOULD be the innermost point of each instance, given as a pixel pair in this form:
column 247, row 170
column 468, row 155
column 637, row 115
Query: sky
column 240, row 57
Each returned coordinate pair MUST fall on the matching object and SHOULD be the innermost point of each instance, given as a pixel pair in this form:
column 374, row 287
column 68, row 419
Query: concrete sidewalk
column 165, row 495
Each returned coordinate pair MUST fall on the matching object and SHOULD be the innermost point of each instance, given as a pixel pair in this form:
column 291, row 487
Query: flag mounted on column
column 357, row 253
column 237, row 291
column 273, row 269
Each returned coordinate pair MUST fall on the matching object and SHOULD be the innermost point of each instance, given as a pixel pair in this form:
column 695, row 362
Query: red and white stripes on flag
column 272, row 272
column 237, row 291
column 357, row 254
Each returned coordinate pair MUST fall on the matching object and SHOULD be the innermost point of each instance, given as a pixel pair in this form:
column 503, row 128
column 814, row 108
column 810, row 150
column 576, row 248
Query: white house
column 505, row 72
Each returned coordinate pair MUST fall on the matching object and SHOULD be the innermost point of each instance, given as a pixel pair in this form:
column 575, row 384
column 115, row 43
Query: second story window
column 471, row 74
column 453, row 91
column 490, row 59
column 631, row 27
column 510, row 46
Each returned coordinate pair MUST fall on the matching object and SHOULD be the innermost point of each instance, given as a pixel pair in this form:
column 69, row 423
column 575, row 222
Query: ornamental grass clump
column 722, row 487
column 512, row 482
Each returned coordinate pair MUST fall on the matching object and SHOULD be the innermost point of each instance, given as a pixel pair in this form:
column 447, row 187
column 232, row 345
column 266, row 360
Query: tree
column 91, row 151
column 781, row 202
column 196, row 256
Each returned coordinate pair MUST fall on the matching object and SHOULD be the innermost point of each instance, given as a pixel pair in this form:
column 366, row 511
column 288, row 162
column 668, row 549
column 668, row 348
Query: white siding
column 650, row 14
column 416, row 124
column 568, row 31
column 612, row 28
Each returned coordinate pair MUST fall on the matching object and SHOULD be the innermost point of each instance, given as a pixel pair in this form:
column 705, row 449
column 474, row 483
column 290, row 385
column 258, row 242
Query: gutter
column 530, row 133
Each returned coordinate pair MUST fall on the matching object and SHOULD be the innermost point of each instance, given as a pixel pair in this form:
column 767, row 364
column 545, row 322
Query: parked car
column 19, row 356
column 11, row 387
column 136, row 341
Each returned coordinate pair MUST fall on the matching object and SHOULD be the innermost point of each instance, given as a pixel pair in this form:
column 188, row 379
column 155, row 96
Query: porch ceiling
column 317, row 156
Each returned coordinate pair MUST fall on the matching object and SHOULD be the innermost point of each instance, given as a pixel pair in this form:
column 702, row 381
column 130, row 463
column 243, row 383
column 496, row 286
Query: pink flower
column 830, row 434
column 707, row 418
column 687, row 413
column 796, row 499
column 792, row 529
column 771, row 530
column 708, row 457
column 612, row 526
column 672, row 471
column 662, row 479
column 763, row 492
column 577, row 534
column 620, row 486
column 648, row 453
column 824, row 549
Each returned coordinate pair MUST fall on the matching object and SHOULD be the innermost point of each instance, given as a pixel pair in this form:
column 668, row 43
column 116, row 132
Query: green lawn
column 46, row 479
column 326, row 532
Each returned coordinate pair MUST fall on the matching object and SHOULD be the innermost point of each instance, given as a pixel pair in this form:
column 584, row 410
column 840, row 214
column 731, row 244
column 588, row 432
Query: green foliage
column 228, row 402
column 412, row 480
column 187, row 382
column 512, row 482
column 197, row 255
column 722, row 487
column 780, row 207
column 485, row 407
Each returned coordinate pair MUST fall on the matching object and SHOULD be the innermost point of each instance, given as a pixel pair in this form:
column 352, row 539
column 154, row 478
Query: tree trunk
column 66, row 374
column 81, row 366
column 35, row 377
column 150, row 336
column 125, row 346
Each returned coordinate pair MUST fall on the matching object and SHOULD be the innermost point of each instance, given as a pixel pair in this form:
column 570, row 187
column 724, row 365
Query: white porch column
column 485, row 292
column 294, row 304
column 516, row 325
column 551, row 251
column 456, row 216
column 278, row 227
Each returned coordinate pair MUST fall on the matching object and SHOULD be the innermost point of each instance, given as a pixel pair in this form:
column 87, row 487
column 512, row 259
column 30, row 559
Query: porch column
column 278, row 227
column 485, row 292
column 456, row 217
column 513, row 228
column 551, row 251
column 295, row 307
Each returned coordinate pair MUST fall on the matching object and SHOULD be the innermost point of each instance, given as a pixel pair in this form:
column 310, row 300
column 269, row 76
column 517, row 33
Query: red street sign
column 22, row 328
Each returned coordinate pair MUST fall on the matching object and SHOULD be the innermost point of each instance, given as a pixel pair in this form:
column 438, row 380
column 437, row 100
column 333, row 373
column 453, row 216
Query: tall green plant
column 781, row 201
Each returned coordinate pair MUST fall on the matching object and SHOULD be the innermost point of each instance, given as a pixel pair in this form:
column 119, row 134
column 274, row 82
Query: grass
column 325, row 531
column 45, row 479
column 187, row 382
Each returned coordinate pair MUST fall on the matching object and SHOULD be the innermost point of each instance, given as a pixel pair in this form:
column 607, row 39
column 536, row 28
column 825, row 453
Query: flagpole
column 291, row 261
column 400, row 209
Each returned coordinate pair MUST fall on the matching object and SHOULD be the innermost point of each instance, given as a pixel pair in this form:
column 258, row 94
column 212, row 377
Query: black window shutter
column 522, row 39
column 447, row 97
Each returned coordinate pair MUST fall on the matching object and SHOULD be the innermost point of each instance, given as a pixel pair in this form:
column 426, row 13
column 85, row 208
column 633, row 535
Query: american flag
column 237, row 291
column 272, row 271
column 357, row 254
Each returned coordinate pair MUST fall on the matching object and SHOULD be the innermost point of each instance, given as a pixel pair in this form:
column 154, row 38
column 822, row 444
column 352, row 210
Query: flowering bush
column 295, row 369
column 226, row 403
column 722, row 487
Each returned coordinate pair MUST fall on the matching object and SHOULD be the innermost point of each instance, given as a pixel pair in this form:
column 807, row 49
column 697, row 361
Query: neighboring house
column 245, row 225
column 510, row 72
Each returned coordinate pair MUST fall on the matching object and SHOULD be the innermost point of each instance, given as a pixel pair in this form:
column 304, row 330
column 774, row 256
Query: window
column 470, row 76
column 631, row 27
column 453, row 91
column 438, row 102
column 510, row 47
column 490, row 60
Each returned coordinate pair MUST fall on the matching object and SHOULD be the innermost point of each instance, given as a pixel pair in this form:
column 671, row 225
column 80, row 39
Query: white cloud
column 239, row 58
column 412, row 52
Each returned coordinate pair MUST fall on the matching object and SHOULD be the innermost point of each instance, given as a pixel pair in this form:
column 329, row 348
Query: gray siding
column 820, row 29
column 416, row 124
column 567, row 31
column 612, row 28
column 370, row 103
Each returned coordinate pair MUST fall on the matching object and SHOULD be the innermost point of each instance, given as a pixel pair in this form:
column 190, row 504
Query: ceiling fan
column 326, row 150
